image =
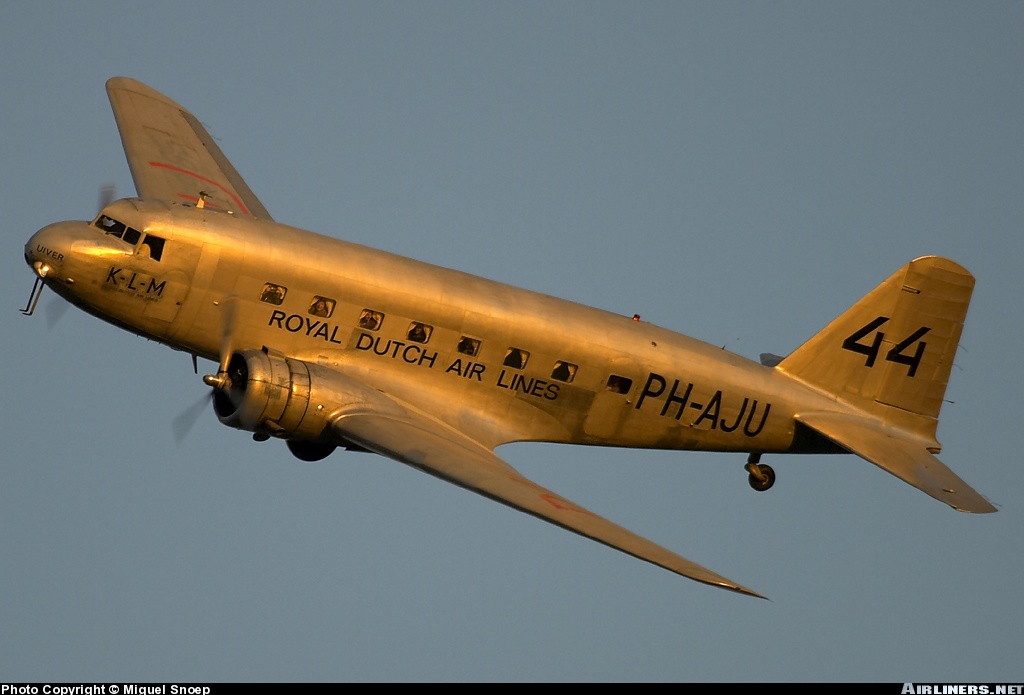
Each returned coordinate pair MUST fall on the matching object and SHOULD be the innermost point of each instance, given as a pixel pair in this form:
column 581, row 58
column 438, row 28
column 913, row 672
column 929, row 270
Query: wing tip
column 742, row 590
column 128, row 84
column 979, row 506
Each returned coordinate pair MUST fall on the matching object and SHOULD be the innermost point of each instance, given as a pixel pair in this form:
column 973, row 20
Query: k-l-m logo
column 896, row 354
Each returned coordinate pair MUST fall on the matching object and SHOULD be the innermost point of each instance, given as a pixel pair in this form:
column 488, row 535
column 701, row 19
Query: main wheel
column 761, row 479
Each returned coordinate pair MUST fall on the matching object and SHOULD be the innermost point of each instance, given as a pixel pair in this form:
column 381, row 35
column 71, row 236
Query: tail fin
column 889, row 357
column 890, row 354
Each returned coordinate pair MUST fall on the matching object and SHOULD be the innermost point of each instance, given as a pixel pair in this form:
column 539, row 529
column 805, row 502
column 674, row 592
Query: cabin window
column 564, row 371
column 619, row 384
column 151, row 246
column 516, row 358
column 273, row 294
column 469, row 346
column 419, row 332
column 370, row 319
column 322, row 306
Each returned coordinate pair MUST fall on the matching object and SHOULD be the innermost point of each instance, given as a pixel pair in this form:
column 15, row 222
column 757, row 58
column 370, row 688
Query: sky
column 740, row 172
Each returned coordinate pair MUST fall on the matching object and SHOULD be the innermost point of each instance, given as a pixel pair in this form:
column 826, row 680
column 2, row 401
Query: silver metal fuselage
column 633, row 384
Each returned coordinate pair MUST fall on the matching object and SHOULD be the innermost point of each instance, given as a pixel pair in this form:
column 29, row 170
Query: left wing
column 171, row 155
column 397, row 431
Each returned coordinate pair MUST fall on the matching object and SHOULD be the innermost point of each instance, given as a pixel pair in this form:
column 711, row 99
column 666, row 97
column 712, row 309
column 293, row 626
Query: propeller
column 221, row 382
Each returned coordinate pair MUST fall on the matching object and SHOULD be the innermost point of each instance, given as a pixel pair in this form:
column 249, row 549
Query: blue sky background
column 741, row 172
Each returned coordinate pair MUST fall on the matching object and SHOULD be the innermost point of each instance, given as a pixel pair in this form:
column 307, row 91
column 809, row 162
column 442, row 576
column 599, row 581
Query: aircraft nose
column 47, row 249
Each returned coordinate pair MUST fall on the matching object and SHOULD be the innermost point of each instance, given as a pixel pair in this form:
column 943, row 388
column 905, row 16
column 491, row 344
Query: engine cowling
column 276, row 396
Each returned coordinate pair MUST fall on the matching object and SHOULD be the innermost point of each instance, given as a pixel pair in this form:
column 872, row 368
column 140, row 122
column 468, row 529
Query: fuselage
column 515, row 364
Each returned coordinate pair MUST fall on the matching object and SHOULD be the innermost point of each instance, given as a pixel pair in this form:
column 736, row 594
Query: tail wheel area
column 762, row 476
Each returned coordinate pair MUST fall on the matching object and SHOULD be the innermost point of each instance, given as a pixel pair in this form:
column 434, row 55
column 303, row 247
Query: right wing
column 392, row 429
column 170, row 154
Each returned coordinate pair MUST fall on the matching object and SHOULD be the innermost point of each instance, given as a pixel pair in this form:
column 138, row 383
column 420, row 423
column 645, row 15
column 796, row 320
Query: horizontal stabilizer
column 902, row 456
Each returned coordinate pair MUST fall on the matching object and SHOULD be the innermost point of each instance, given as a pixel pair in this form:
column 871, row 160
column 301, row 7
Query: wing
column 170, row 154
column 397, row 431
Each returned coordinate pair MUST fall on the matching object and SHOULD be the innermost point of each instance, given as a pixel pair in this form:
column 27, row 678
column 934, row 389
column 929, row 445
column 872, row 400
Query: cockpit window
column 114, row 228
column 152, row 246
column 110, row 226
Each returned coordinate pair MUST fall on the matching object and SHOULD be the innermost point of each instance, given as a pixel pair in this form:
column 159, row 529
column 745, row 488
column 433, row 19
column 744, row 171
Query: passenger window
column 322, row 307
column 516, row 358
column 564, row 371
column 273, row 294
column 469, row 346
column 152, row 246
column 419, row 332
column 370, row 319
column 619, row 384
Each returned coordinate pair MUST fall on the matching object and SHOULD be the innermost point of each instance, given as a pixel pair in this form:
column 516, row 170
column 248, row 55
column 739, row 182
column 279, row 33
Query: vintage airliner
column 326, row 344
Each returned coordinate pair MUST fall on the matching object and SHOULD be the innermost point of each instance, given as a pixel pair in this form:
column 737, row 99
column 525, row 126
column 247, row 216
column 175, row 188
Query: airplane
column 327, row 344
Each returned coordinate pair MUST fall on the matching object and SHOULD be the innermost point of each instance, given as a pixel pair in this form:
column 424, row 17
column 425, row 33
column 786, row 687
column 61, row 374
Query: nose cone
column 48, row 248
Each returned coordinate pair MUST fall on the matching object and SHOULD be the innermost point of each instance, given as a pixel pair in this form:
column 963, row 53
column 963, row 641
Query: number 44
column 897, row 354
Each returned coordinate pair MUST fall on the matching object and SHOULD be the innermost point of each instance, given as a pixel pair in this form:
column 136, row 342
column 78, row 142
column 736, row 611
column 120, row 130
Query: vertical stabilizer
column 890, row 354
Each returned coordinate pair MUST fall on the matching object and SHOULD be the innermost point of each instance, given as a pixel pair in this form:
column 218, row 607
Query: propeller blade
column 227, row 328
column 107, row 193
column 55, row 310
column 185, row 421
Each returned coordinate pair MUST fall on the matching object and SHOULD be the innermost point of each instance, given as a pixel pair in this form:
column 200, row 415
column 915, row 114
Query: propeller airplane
column 326, row 344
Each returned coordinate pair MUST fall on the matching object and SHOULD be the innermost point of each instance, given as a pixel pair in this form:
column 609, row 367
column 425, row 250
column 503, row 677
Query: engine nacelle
column 276, row 396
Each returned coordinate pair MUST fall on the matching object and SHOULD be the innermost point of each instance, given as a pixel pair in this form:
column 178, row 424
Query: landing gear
column 762, row 476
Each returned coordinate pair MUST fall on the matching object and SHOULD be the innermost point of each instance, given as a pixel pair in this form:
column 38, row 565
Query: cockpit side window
column 152, row 246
